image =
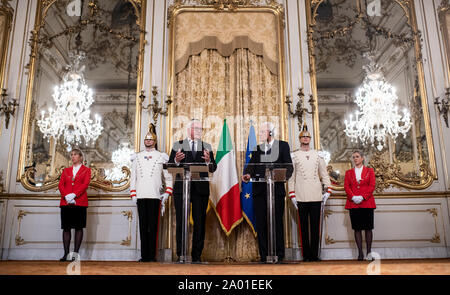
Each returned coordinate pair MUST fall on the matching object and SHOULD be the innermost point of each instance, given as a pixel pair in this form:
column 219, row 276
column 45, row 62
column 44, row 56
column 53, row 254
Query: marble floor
column 385, row 267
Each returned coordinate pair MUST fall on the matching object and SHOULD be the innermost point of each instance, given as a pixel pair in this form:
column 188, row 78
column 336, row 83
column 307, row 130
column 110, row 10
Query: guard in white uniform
column 307, row 194
column 150, row 186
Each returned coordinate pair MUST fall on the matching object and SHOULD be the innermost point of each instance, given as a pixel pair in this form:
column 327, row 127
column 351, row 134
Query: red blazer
column 364, row 188
column 78, row 186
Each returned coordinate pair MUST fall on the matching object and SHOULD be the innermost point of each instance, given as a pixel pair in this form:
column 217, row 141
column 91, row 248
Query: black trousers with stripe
column 309, row 213
column 148, row 211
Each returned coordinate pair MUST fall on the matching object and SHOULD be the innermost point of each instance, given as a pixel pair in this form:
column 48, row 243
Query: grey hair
column 189, row 125
column 271, row 127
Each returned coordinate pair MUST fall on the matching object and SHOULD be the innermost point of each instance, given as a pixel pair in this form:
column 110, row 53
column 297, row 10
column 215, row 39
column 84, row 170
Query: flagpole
column 229, row 258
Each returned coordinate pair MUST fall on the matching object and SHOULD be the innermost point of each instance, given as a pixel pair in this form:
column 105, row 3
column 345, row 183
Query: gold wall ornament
column 154, row 107
column 300, row 109
column 129, row 216
column 221, row 5
column 426, row 170
column 443, row 105
column 39, row 40
column 98, row 180
column 7, row 107
column 388, row 174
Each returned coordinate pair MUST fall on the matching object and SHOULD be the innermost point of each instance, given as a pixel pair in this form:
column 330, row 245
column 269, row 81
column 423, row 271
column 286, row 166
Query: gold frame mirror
column 126, row 28
column 387, row 163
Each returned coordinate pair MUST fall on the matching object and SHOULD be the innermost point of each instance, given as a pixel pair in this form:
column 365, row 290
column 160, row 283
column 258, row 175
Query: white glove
column 325, row 197
column 70, row 198
column 164, row 198
column 357, row 199
column 134, row 198
column 294, row 202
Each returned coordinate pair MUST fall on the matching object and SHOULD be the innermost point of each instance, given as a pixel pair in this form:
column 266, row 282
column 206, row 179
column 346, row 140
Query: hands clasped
column 357, row 199
column 70, row 198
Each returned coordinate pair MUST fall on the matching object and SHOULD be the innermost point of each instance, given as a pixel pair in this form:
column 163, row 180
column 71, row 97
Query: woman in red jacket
column 359, row 186
column 74, row 201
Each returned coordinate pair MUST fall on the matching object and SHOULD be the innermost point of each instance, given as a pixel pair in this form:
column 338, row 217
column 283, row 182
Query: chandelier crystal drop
column 120, row 158
column 72, row 117
column 377, row 116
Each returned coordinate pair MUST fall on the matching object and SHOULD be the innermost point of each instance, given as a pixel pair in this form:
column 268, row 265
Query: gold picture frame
column 98, row 181
column 387, row 174
column 228, row 6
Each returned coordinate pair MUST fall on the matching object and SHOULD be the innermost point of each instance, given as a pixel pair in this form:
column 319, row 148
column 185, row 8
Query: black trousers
column 309, row 213
column 260, row 211
column 148, row 211
column 199, row 206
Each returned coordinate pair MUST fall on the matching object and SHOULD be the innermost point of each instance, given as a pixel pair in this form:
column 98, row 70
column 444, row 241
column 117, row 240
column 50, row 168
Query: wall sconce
column 443, row 105
column 300, row 109
column 7, row 109
column 154, row 107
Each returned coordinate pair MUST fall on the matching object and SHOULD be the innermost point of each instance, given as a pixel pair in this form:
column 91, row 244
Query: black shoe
column 306, row 260
column 64, row 258
column 360, row 258
column 196, row 261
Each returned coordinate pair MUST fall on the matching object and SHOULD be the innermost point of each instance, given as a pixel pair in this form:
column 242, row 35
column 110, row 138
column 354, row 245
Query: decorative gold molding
column 97, row 180
column 19, row 241
column 273, row 7
column 387, row 174
column 433, row 211
column 129, row 215
column 7, row 13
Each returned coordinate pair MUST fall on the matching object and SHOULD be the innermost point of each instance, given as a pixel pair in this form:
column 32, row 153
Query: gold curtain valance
column 226, row 50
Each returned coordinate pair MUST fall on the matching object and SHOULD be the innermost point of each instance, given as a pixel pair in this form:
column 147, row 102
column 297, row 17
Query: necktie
column 193, row 149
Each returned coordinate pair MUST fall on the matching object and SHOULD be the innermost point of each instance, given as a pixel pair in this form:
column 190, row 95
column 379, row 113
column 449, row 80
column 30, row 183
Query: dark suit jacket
column 279, row 154
column 197, row 187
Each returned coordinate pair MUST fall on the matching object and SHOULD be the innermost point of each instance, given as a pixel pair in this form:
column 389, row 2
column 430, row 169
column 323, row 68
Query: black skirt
column 73, row 217
column 362, row 218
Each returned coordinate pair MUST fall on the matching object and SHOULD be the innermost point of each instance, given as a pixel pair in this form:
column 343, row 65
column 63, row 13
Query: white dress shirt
column 268, row 146
column 75, row 170
column 358, row 172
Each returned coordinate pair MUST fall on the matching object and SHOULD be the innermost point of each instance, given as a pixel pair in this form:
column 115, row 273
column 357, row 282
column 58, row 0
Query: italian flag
column 225, row 194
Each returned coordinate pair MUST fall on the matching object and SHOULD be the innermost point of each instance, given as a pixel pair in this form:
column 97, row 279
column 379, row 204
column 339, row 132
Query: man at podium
column 193, row 150
column 271, row 151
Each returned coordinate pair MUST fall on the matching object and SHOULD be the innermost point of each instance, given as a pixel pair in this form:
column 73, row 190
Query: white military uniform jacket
column 310, row 172
column 147, row 175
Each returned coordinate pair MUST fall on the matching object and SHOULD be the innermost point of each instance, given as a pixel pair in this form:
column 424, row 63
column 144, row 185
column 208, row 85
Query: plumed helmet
column 151, row 134
column 305, row 131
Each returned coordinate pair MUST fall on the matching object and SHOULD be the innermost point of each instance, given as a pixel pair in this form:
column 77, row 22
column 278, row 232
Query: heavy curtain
column 241, row 89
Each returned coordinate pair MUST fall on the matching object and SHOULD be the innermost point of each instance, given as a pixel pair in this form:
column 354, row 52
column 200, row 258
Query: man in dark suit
column 276, row 152
column 193, row 150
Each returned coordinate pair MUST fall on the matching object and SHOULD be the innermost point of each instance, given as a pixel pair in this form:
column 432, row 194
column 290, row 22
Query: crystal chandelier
column 120, row 158
column 72, row 117
column 378, row 116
